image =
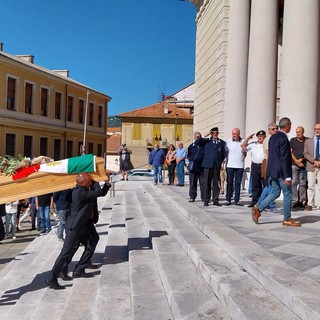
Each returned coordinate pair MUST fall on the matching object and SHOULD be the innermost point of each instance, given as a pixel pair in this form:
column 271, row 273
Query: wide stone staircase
column 161, row 258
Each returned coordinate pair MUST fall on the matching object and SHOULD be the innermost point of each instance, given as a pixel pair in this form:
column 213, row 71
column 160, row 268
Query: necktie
column 317, row 149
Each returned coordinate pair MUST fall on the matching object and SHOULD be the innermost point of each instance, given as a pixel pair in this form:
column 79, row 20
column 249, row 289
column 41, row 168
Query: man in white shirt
column 257, row 155
column 235, row 167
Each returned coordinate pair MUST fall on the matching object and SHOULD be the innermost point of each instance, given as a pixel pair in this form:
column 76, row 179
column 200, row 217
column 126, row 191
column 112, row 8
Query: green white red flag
column 85, row 163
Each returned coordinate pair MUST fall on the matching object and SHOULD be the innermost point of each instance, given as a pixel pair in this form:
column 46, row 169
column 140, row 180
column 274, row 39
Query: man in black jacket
column 84, row 197
column 195, row 155
column 214, row 154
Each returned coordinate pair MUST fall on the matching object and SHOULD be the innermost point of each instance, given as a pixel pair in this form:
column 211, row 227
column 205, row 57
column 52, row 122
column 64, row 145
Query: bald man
column 84, row 197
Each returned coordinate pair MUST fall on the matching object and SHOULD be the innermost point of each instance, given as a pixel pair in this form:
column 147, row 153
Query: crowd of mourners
column 278, row 164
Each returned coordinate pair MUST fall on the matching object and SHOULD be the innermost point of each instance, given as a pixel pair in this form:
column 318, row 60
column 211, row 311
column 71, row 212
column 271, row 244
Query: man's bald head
column 84, row 179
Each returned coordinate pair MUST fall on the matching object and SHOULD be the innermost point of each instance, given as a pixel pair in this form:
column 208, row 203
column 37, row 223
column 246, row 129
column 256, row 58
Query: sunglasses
column 274, row 129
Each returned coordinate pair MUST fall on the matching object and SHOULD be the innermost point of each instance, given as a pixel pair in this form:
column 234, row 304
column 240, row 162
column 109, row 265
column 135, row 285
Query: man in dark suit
column 84, row 197
column 280, row 171
column 214, row 154
column 195, row 155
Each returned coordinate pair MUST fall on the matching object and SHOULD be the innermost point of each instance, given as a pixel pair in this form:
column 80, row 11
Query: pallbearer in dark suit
column 280, row 171
column 214, row 154
column 84, row 199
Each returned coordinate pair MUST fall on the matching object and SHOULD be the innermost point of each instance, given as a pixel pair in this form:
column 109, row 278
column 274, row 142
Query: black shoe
column 191, row 200
column 216, row 203
column 295, row 205
column 82, row 274
column 239, row 204
column 93, row 266
column 228, row 203
column 54, row 285
column 65, row 277
column 206, row 203
column 251, row 205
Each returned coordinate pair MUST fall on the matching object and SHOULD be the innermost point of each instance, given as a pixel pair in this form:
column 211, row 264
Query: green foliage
column 9, row 164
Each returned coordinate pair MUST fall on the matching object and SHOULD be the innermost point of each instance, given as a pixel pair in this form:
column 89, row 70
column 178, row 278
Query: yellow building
column 42, row 112
column 162, row 123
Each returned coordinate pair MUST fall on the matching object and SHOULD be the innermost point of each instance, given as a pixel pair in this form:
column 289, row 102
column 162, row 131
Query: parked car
column 140, row 175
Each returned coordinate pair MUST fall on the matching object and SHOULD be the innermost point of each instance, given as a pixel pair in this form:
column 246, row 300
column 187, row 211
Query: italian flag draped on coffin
column 85, row 163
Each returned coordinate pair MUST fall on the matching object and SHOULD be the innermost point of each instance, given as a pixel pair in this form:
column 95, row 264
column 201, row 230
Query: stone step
column 188, row 295
column 28, row 295
column 147, row 293
column 89, row 285
column 113, row 300
column 149, row 299
column 282, row 280
column 241, row 294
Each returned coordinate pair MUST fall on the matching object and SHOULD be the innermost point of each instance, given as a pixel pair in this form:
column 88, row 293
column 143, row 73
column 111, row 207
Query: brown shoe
column 308, row 208
column 255, row 214
column 291, row 223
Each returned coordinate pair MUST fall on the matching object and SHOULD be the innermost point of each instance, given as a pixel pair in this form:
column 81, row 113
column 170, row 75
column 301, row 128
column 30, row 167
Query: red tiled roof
column 113, row 143
column 157, row 111
column 114, row 129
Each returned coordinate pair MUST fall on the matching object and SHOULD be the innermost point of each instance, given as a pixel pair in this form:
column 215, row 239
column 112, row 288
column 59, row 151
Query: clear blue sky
column 128, row 49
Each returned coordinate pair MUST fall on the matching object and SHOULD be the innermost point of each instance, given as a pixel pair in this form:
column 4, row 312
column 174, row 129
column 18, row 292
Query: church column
column 237, row 67
column 299, row 72
column 262, row 65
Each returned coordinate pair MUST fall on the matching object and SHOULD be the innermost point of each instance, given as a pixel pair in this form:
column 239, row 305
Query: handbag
column 190, row 166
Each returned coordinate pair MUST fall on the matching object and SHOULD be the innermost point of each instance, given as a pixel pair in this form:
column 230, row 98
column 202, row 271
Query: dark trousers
column 234, row 177
column 212, row 183
column 256, row 182
column 90, row 240
column 171, row 170
column 194, row 177
column 33, row 215
column 2, row 232
column 70, row 245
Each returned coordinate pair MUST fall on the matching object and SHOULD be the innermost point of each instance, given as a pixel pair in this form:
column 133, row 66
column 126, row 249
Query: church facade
column 256, row 61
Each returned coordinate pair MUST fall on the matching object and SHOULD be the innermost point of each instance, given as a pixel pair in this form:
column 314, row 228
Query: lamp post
column 85, row 125
column 175, row 129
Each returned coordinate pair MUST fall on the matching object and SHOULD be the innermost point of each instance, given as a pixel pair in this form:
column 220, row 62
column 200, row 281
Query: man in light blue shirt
column 180, row 159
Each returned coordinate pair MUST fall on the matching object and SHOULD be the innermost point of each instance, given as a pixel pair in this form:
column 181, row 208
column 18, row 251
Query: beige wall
column 20, row 123
column 211, row 55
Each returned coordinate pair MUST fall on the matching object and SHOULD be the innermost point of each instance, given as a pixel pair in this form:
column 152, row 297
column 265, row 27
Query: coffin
column 39, row 183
